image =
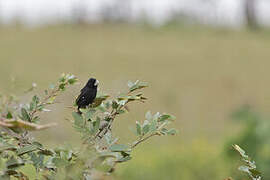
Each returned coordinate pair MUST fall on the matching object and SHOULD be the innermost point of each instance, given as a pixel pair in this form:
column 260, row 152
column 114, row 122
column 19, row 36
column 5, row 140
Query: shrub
column 23, row 157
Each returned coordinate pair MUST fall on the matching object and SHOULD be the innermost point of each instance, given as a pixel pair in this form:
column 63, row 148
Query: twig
column 142, row 140
column 44, row 101
column 10, row 123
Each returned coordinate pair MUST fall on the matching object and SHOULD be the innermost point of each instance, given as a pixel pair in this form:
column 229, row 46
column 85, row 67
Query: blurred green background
column 201, row 75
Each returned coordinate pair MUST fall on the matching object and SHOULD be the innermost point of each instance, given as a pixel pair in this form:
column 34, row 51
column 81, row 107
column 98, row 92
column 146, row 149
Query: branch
column 143, row 139
column 18, row 123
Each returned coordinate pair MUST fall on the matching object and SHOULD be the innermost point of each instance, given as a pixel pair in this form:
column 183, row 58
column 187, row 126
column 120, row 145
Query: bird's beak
column 96, row 83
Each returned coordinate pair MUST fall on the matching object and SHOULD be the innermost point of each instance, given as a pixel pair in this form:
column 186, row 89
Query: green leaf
column 78, row 119
column 13, row 162
column 137, row 85
column 153, row 125
column 156, row 116
column 138, row 128
column 255, row 172
column 35, row 99
column 50, row 163
column 62, row 86
column 124, row 159
column 108, row 104
column 241, row 151
column 164, row 131
column 25, row 115
column 102, row 108
column 9, row 115
column 62, row 78
column 51, row 100
column 120, row 111
column 96, row 125
column 146, row 129
column 172, row 132
column 72, row 79
column 119, row 148
column 148, row 115
column 115, row 105
column 122, row 102
column 130, row 84
column 89, row 114
column 99, row 99
column 28, row 171
column 4, row 147
column 165, row 117
column 47, row 152
column 34, row 103
column 26, row 149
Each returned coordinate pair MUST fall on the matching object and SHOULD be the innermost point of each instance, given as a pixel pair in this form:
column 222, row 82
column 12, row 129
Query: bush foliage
column 22, row 157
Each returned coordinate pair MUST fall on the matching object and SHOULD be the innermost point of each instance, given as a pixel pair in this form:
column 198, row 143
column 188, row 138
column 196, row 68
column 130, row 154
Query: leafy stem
column 142, row 139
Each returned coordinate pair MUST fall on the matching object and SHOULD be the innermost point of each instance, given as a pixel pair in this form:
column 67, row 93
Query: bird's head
column 92, row 83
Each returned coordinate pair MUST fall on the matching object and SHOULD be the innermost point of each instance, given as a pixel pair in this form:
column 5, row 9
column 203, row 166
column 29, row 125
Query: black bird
column 88, row 94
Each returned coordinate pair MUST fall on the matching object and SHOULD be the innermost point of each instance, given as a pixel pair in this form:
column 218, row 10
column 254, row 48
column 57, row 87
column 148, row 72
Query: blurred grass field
column 198, row 74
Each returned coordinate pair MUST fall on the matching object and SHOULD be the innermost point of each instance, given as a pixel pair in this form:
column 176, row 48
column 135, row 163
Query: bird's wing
column 81, row 98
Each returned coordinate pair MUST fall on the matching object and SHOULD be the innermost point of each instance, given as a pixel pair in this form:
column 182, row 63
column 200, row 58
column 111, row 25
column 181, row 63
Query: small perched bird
column 88, row 94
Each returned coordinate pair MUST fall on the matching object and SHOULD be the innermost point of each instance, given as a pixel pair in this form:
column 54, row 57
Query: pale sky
column 157, row 11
